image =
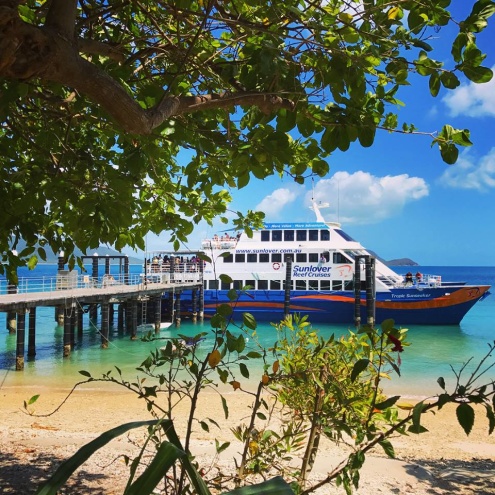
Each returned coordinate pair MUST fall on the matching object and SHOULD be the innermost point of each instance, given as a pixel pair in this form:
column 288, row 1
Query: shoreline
column 439, row 462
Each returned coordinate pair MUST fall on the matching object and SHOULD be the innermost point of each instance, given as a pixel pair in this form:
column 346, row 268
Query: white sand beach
column 439, row 462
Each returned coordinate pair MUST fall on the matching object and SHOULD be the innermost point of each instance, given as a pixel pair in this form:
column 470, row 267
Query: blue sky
column 398, row 197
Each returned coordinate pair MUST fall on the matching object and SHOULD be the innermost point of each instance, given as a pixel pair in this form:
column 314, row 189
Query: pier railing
column 73, row 280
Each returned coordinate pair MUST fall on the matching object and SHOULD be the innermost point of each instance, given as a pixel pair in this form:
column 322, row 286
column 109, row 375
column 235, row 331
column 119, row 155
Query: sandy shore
column 439, row 462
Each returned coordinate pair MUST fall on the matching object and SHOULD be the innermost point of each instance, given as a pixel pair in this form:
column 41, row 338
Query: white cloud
column 361, row 198
column 472, row 100
column 470, row 174
column 273, row 204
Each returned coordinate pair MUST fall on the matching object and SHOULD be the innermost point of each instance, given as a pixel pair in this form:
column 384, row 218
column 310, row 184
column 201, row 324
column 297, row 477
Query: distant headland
column 401, row 262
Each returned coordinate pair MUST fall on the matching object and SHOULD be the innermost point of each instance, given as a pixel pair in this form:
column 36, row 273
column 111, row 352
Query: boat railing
column 166, row 272
column 219, row 243
column 426, row 280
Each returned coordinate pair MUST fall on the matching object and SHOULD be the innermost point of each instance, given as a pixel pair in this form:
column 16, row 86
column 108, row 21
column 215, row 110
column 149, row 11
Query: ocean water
column 433, row 352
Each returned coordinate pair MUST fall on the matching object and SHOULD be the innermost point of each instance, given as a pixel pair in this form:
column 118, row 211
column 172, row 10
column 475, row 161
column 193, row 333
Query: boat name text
column 411, row 296
column 311, row 271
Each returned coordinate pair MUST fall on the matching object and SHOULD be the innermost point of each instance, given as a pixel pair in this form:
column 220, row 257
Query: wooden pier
column 138, row 297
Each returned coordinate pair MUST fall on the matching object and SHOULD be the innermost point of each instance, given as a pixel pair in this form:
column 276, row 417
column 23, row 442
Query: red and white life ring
column 276, row 266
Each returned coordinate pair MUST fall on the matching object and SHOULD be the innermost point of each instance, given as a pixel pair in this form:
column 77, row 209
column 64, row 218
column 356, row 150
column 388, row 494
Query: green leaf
column 388, row 448
column 477, row 74
column 249, row 321
column 491, row 418
column 65, row 470
column 220, row 448
column 85, row 373
column 449, row 80
column 366, row 135
column 441, row 382
column 387, row 403
column 358, row 368
column 465, row 416
column 225, row 407
column 434, row 84
column 244, row 370
column 226, row 279
column 449, row 153
column 458, row 45
column 416, row 418
column 163, row 460
column 275, row 486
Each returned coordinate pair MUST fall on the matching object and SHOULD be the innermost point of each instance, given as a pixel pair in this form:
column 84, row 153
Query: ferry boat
column 317, row 269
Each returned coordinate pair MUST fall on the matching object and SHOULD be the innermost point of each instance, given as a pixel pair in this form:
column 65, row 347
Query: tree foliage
column 121, row 118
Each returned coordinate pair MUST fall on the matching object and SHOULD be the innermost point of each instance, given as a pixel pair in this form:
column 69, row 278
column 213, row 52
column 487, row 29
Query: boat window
column 348, row 284
column 324, row 235
column 324, row 284
column 314, row 258
column 288, row 235
column 344, row 235
column 288, row 257
column 213, row 284
column 225, row 285
column 313, row 235
column 262, row 284
column 313, row 285
column 252, row 258
column 237, row 284
column 264, row 258
column 274, row 284
column 240, row 258
column 205, row 284
column 301, row 285
column 301, row 235
column 228, row 259
column 339, row 258
column 291, row 284
column 251, row 283
column 265, row 235
column 276, row 235
column 301, row 257
column 336, row 284
column 276, row 258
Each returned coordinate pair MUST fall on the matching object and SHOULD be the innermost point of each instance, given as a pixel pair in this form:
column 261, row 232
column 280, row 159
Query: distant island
column 401, row 262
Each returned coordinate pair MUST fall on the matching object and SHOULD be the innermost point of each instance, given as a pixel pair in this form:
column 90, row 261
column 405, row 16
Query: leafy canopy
column 122, row 118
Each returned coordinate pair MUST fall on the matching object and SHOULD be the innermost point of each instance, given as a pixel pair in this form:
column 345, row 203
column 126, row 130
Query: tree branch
column 92, row 47
column 40, row 53
column 61, row 18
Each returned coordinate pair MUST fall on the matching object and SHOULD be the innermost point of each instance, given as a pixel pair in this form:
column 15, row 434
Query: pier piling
column 21, row 335
column 105, row 326
column 67, row 332
column 177, row 309
column 158, row 313
column 32, row 333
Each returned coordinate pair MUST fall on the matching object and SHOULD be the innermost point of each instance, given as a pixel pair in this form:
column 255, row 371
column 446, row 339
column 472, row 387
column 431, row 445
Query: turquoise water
column 433, row 349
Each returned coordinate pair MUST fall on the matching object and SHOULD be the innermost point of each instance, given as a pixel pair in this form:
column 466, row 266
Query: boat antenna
column 316, row 207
